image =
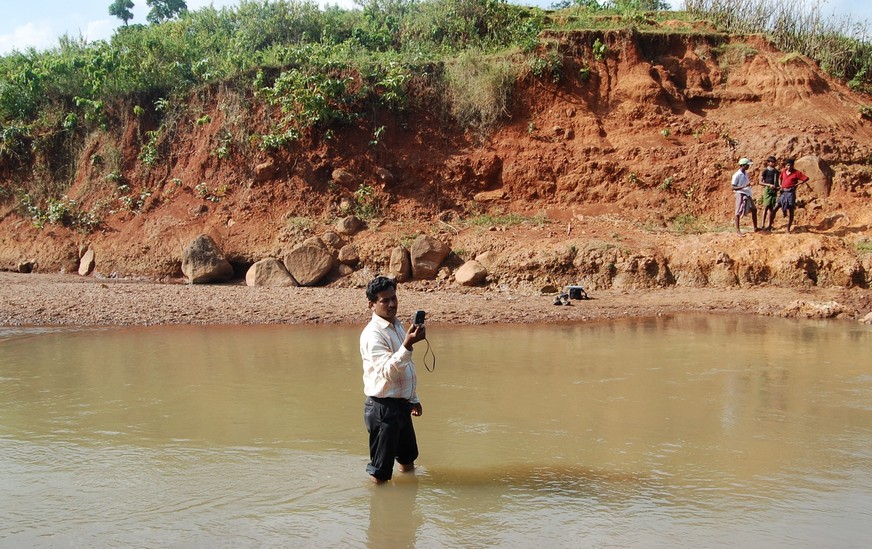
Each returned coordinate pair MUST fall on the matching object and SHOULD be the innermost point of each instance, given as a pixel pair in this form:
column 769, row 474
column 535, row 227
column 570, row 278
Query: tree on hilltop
column 121, row 10
column 163, row 10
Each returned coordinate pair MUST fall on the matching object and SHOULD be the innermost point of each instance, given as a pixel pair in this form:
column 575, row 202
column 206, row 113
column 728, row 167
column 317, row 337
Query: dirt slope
column 626, row 173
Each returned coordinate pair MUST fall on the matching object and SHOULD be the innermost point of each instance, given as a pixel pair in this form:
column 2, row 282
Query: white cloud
column 37, row 35
column 100, row 29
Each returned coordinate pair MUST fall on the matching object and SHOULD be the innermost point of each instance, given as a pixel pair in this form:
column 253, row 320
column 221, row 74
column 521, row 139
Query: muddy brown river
column 676, row 431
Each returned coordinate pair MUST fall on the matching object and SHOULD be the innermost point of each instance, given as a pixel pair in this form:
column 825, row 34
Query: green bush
column 480, row 89
column 327, row 67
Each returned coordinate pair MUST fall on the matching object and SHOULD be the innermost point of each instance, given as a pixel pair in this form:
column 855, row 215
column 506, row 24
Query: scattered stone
column 490, row 196
column 265, row 171
column 315, row 242
column 86, row 264
column 348, row 225
column 400, row 266
column 447, row 216
column 548, row 289
column 427, row 254
column 204, row 262
column 308, row 264
column 867, row 319
column 343, row 178
column 348, row 255
column 332, row 240
column 471, row 273
column 488, row 259
column 345, row 204
column 385, row 176
column 269, row 272
column 344, row 270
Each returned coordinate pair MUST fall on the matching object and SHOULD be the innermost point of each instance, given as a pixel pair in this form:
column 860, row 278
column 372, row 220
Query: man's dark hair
column 378, row 285
column 790, row 161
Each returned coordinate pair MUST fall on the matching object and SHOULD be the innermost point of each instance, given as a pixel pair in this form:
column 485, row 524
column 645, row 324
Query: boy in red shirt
column 790, row 179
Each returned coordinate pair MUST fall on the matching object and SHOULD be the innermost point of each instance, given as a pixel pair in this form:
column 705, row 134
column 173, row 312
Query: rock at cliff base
column 204, row 262
column 308, row 264
column 269, row 272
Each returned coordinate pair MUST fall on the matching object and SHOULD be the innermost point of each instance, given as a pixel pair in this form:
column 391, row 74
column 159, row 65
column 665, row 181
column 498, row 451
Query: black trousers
column 391, row 435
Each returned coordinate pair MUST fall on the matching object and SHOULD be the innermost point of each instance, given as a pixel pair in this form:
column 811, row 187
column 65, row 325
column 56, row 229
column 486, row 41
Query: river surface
column 689, row 431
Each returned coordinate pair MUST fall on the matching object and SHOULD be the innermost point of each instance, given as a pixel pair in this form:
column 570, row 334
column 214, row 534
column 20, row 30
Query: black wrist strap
column 432, row 366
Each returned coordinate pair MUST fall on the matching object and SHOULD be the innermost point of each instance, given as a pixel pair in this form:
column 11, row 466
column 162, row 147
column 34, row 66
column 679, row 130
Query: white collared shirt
column 741, row 183
column 388, row 370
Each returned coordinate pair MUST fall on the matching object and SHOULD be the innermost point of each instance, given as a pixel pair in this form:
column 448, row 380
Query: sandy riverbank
column 41, row 299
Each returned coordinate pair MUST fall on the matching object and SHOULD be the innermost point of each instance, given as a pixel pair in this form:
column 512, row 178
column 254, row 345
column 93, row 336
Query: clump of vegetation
column 500, row 219
column 688, row 224
column 366, row 203
column 600, row 50
column 666, row 184
column 64, row 211
column 732, row 55
column 479, row 89
column 211, row 194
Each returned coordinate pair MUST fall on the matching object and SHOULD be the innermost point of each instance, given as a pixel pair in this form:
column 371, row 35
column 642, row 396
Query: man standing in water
column 741, row 184
column 389, row 383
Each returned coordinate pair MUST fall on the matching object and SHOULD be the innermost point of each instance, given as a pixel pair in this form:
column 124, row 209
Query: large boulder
column 86, row 264
column 471, row 273
column 204, row 262
column 308, row 264
column 427, row 254
column 820, row 175
column 400, row 266
column 269, row 272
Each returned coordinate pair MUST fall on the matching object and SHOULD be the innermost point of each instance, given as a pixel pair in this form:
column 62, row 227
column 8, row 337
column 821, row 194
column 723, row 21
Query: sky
column 39, row 23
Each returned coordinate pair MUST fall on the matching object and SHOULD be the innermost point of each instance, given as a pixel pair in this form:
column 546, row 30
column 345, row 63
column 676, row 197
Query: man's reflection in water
column 393, row 516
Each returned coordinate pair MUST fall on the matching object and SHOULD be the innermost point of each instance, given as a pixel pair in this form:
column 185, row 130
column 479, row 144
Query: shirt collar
column 381, row 322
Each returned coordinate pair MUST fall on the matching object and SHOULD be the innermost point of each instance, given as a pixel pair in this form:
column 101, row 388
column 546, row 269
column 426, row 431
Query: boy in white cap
column 741, row 184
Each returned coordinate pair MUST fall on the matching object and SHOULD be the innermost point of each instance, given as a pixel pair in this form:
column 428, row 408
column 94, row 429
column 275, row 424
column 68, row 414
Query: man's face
column 385, row 304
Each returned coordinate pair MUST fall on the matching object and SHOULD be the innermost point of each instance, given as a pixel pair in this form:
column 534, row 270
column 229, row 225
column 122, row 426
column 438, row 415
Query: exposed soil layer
column 623, row 175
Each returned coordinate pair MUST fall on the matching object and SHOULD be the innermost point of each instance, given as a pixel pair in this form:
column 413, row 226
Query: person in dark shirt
column 770, row 178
